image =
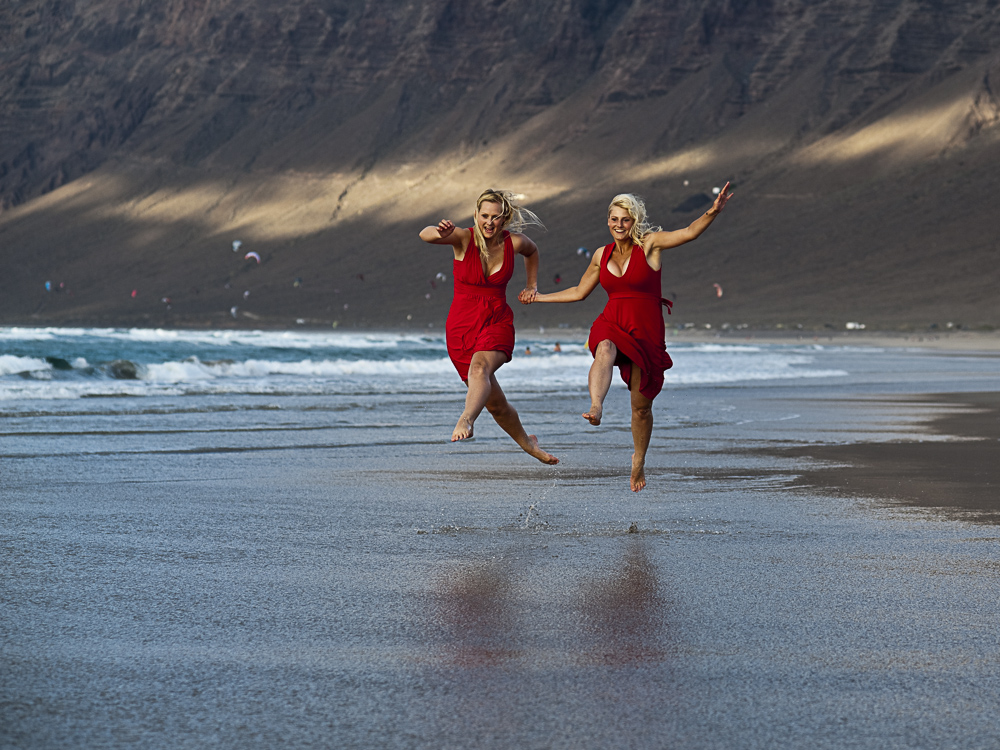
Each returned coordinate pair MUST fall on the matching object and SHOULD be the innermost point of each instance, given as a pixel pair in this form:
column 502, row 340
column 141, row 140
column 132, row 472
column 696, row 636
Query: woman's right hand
column 445, row 227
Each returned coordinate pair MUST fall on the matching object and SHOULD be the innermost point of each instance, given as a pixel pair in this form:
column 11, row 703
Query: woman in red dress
column 630, row 333
column 480, row 326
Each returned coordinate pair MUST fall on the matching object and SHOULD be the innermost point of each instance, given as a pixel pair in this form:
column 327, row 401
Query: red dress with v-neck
column 480, row 320
column 633, row 322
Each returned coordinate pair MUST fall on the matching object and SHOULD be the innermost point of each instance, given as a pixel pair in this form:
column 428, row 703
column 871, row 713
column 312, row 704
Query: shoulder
column 464, row 239
column 596, row 262
column 521, row 243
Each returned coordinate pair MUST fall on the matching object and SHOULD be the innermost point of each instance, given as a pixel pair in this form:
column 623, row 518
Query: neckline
column 628, row 261
column 503, row 261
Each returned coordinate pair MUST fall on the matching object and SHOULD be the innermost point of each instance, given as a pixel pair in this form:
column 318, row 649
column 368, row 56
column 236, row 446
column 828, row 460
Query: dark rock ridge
column 158, row 95
column 182, row 79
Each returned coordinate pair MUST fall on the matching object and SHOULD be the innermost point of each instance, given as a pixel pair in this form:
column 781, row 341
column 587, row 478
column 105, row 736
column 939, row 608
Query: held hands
column 721, row 200
column 527, row 295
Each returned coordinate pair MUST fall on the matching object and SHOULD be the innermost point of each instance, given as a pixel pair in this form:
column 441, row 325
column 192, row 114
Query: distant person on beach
column 629, row 332
column 480, row 325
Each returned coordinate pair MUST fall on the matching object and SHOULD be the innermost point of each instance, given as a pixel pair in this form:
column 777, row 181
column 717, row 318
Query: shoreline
column 958, row 478
column 980, row 341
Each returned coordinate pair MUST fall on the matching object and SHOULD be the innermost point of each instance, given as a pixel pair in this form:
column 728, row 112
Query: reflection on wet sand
column 617, row 617
column 474, row 609
column 625, row 613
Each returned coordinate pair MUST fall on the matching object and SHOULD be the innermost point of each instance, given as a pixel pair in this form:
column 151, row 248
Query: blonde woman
column 480, row 325
column 629, row 332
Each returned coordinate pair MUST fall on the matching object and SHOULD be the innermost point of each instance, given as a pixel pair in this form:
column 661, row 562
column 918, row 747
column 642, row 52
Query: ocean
column 302, row 386
column 68, row 363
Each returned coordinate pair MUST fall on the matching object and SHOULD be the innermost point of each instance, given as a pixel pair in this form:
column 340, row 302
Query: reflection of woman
column 630, row 333
column 480, row 326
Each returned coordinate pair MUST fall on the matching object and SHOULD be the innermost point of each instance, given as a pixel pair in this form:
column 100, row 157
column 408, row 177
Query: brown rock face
column 137, row 139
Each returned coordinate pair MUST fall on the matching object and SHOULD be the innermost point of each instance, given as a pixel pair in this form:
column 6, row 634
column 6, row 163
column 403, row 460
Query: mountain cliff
column 140, row 139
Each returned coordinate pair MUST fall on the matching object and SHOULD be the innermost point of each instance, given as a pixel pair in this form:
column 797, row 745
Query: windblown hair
column 637, row 210
column 514, row 218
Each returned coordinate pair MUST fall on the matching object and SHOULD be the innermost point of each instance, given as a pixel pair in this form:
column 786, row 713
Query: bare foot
column 463, row 430
column 594, row 415
column 638, row 479
column 545, row 458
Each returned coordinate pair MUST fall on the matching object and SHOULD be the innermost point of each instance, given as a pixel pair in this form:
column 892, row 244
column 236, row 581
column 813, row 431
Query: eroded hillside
column 140, row 139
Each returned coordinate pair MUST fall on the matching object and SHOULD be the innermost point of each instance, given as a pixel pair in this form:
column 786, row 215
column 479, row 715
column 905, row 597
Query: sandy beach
column 292, row 570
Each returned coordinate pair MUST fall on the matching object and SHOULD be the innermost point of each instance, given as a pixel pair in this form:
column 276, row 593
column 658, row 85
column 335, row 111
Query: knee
column 478, row 369
column 642, row 411
column 606, row 348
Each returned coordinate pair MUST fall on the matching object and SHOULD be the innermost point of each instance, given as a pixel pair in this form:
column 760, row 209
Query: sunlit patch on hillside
column 900, row 136
column 268, row 206
column 708, row 157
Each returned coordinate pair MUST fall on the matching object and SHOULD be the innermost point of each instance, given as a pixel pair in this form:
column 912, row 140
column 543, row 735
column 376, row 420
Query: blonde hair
column 514, row 218
column 637, row 210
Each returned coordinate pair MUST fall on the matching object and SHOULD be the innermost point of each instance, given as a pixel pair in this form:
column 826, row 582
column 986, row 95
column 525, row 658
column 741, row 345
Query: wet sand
column 959, row 477
column 332, row 572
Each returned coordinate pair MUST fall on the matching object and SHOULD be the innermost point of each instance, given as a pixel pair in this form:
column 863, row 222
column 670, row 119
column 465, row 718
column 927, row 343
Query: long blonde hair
column 514, row 218
column 637, row 210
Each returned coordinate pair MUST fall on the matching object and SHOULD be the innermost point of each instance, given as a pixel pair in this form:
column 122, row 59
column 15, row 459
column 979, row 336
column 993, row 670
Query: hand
column 527, row 295
column 722, row 199
column 446, row 227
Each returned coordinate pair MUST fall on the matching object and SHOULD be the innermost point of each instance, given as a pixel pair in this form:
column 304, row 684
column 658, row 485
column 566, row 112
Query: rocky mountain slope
column 138, row 140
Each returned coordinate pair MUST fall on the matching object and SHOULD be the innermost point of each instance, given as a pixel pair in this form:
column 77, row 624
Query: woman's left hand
column 722, row 199
column 527, row 295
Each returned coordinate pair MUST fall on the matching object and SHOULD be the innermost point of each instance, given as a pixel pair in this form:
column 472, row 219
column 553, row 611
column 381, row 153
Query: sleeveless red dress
column 480, row 320
column 633, row 322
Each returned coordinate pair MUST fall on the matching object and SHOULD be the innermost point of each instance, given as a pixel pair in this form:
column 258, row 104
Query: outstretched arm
column 581, row 291
column 656, row 241
column 446, row 233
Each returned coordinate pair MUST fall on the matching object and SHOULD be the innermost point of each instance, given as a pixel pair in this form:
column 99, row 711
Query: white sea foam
column 717, row 347
column 198, row 362
column 192, row 370
column 260, row 339
column 13, row 365
column 740, row 365
column 52, row 390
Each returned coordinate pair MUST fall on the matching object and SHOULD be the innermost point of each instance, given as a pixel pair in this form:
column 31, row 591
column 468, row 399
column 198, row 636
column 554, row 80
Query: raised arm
column 656, row 241
column 446, row 233
column 581, row 291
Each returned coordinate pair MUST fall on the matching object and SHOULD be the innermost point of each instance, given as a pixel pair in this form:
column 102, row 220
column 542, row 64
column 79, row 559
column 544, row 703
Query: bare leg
column 599, row 379
column 506, row 416
column 642, row 429
column 480, row 385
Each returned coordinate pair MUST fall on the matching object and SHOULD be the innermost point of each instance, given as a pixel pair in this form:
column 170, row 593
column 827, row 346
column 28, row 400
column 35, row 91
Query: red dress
column 633, row 322
column 480, row 320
